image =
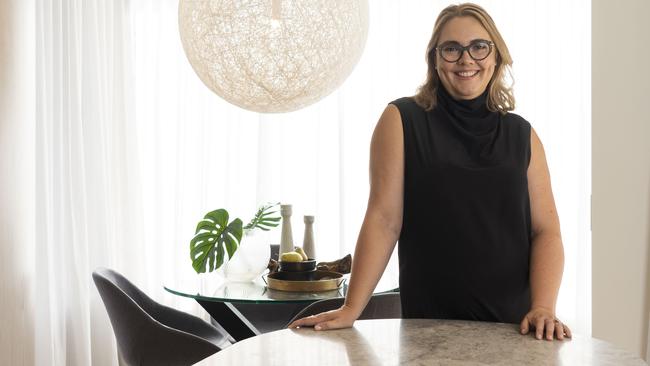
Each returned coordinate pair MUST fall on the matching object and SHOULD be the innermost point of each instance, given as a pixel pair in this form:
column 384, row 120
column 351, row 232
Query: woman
column 464, row 185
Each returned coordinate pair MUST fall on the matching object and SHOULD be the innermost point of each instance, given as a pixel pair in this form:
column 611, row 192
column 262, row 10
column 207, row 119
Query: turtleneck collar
column 476, row 106
column 470, row 114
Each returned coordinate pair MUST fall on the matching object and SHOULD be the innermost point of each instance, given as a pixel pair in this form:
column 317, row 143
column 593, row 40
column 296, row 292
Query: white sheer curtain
column 131, row 149
column 87, row 191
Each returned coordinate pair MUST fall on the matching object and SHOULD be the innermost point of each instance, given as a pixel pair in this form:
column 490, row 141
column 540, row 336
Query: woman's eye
column 450, row 49
column 480, row 46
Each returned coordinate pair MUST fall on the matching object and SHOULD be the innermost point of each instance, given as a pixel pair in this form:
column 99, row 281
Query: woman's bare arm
column 547, row 253
column 381, row 226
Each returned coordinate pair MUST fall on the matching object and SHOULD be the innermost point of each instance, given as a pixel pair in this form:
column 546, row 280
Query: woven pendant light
column 273, row 56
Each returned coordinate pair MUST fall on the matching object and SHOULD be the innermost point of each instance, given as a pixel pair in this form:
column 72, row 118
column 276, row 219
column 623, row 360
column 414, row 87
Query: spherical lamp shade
column 273, row 56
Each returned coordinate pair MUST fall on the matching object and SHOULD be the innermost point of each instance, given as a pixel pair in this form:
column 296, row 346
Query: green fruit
column 291, row 257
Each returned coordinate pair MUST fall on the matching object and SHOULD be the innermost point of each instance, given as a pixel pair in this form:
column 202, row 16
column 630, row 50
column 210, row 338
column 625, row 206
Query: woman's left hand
column 545, row 324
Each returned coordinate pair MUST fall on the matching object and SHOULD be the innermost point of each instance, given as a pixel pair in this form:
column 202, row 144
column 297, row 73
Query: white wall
column 621, row 171
column 16, row 176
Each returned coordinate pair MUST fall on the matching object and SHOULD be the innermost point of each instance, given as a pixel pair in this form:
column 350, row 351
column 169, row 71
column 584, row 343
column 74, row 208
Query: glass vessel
column 250, row 259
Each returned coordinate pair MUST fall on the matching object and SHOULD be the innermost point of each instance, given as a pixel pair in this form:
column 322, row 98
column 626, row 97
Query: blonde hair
column 500, row 96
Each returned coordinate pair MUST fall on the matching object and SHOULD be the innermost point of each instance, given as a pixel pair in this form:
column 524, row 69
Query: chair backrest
column 380, row 306
column 383, row 306
column 141, row 339
column 132, row 291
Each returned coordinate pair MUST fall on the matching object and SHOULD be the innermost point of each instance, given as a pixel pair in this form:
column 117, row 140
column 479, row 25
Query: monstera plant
column 215, row 236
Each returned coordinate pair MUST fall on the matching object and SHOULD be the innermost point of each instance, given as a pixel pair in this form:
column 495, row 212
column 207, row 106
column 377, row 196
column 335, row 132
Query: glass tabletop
column 217, row 289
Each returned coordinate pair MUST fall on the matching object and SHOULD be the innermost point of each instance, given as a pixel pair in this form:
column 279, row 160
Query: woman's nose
column 465, row 58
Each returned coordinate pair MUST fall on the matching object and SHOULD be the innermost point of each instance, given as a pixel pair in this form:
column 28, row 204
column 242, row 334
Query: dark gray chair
column 149, row 333
column 380, row 306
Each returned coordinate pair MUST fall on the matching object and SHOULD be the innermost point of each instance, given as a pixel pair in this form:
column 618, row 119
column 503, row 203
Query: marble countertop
column 419, row 342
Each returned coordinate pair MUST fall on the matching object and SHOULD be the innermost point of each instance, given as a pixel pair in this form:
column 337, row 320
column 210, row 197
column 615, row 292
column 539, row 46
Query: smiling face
column 465, row 78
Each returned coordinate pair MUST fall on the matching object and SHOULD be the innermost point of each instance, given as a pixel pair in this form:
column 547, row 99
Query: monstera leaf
column 213, row 237
column 263, row 219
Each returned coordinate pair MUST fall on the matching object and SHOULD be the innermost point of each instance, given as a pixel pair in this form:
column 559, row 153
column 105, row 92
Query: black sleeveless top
column 465, row 243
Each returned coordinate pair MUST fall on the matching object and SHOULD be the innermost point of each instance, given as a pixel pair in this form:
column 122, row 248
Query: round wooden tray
column 313, row 281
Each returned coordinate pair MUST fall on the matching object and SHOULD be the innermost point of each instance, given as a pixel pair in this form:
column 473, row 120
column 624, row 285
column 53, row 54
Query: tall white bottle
column 308, row 242
column 286, row 240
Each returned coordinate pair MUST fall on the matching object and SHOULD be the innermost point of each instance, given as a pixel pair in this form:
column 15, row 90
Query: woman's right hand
column 342, row 317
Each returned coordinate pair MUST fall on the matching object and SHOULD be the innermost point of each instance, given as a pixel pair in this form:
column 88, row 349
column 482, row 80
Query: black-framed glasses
column 478, row 50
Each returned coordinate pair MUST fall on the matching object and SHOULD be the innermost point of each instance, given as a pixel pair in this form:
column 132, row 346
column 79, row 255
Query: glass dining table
column 246, row 309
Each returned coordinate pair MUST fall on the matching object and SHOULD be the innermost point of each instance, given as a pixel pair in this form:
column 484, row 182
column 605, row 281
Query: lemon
column 291, row 257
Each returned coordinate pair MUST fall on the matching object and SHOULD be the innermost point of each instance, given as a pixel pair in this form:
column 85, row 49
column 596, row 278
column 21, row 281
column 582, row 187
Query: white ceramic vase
column 250, row 259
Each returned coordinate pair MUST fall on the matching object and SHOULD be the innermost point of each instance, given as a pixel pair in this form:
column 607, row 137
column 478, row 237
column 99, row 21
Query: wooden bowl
column 302, row 266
